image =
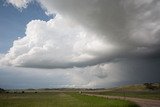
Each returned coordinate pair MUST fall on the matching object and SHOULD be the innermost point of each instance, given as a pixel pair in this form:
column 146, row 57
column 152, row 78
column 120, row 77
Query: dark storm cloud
column 132, row 25
column 140, row 71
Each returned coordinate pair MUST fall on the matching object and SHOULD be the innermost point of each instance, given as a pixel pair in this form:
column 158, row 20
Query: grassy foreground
column 58, row 99
column 140, row 94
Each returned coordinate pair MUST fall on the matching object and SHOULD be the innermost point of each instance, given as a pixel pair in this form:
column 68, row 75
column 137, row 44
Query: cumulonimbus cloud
column 99, row 43
column 132, row 24
column 57, row 43
column 89, row 32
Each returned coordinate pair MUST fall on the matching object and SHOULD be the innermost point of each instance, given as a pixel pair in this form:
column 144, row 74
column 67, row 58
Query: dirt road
column 139, row 101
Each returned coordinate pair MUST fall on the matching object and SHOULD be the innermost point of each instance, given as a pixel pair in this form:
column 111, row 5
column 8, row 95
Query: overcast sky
column 79, row 43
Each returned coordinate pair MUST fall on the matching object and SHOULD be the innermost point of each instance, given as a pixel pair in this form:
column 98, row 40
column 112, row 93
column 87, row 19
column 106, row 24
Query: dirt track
column 139, row 101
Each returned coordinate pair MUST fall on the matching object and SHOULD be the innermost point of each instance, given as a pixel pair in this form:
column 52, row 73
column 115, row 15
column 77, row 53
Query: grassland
column 137, row 91
column 140, row 94
column 58, row 99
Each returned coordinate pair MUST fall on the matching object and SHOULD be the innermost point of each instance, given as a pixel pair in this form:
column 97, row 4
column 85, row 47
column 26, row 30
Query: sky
column 13, row 22
column 79, row 44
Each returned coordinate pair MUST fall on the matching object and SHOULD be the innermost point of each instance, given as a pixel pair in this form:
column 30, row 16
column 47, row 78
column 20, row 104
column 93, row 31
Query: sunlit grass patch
column 58, row 99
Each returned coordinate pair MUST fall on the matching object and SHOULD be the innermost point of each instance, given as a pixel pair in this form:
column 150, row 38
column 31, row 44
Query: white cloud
column 2, row 55
column 56, row 43
column 19, row 3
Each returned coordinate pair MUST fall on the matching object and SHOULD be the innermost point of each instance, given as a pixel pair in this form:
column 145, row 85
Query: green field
column 58, row 99
column 145, row 95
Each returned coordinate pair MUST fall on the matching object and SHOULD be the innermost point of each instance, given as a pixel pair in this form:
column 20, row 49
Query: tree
column 150, row 86
column 2, row 90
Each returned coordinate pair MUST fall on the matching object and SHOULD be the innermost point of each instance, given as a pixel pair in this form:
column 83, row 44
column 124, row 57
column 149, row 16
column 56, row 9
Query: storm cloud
column 113, row 29
column 119, row 39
